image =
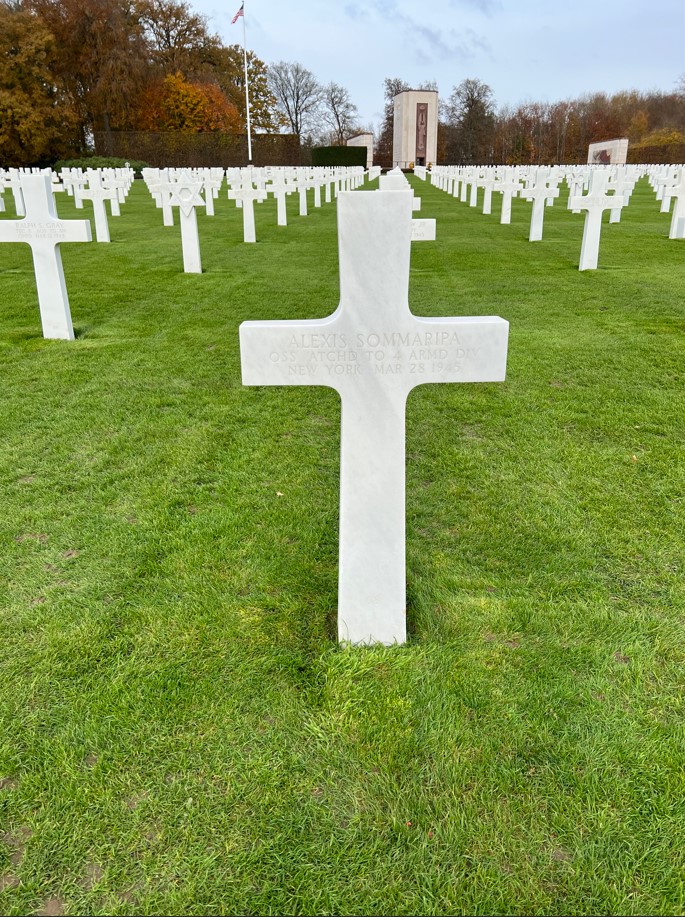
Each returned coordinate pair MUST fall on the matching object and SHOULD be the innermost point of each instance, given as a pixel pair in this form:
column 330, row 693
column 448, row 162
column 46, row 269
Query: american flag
column 240, row 13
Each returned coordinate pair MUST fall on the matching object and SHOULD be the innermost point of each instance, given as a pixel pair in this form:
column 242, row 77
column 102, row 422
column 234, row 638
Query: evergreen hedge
column 339, row 156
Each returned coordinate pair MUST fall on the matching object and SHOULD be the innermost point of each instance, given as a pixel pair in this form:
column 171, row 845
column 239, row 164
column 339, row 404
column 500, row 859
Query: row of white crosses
column 668, row 182
column 373, row 351
column 189, row 189
column 608, row 188
column 40, row 227
column 97, row 186
column 421, row 230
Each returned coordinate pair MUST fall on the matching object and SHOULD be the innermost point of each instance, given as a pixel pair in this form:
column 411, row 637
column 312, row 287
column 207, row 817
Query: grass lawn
column 180, row 733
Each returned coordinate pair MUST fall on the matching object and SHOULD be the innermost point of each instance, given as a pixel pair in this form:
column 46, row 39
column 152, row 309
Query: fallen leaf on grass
column 279, row 494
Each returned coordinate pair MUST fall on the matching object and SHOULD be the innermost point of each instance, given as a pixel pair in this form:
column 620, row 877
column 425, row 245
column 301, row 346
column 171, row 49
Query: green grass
column 179, row 731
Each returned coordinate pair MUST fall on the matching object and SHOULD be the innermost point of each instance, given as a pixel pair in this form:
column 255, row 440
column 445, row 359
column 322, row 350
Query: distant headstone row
column 592, row 189
column 189, row 189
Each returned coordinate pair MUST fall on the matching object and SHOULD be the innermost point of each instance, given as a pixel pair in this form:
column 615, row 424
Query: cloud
column 438, row 45
column 428, row 44
column 488, row 7
column 356, row 12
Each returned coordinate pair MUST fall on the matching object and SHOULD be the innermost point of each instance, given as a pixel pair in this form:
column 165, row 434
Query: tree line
column 71, row 68
column 472, row 130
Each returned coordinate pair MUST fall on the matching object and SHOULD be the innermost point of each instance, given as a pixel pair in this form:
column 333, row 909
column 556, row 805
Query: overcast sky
column 542, row 50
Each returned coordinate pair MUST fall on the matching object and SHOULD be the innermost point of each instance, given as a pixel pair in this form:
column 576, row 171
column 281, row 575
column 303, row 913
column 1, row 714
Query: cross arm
column 457, row 350
column 291, row 352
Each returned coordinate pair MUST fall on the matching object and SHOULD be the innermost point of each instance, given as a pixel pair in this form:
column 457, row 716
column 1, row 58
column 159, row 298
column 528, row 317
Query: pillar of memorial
column 415, row 133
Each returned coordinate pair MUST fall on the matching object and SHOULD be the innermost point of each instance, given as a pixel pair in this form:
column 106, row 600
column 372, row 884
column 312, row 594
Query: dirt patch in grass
column 92, row 874
column 52, row 907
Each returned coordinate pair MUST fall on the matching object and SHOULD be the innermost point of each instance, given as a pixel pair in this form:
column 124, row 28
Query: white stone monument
column 43, row 230
column 366, row 140
column 415, row 130
column 373, row 351
column 608, row 152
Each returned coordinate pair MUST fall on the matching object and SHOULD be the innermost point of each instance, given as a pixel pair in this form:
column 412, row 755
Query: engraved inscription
column 421, row 129
column 318, row 356
column 28, row 230
column 423, row 230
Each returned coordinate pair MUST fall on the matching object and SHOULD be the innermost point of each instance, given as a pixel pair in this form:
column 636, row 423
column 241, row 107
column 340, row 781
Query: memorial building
column 415, row 134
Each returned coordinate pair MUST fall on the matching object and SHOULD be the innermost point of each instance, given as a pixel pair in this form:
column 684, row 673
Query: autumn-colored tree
column 230, row 75
column 638, row 126
column 178, row 40
column 102, row 57
column 37, row 121
column 175, row 104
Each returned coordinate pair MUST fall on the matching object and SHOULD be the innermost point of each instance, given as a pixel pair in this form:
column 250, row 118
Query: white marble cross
column 488, row 182
column 98, row 194
column 246, row 194
column 622, row 184
column 373, row 351
column 280, row 189
column 43, row 230
column 301, row 184
column 595, row 202
column 677, row 190
column 508, row 186
column 541, row 193
column 12, row 179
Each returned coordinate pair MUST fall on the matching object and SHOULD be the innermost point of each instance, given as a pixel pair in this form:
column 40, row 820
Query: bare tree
column 339, row 112
column 392, row 86
column 298, row 94
column 470, row 114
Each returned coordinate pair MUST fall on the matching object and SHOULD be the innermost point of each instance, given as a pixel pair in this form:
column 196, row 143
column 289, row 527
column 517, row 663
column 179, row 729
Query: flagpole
column 247, row 93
